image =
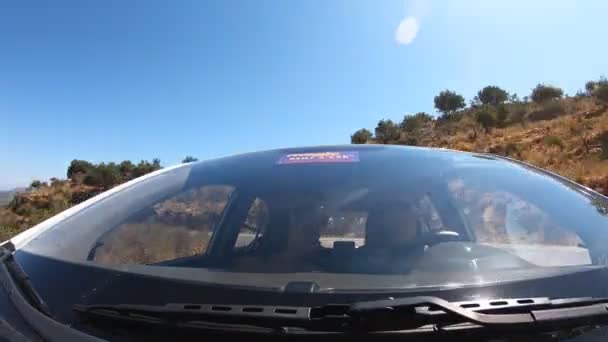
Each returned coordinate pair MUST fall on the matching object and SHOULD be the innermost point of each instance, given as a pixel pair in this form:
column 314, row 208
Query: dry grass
column 567, row 145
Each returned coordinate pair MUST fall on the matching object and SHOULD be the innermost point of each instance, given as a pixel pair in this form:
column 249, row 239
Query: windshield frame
column 218, row 248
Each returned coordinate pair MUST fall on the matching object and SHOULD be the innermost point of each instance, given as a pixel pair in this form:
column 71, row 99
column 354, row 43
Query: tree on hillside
column 589, row 86
column 103, row 175
column 126, row 168
column 447, row 102
column 414, row 122
column 601, row 92
column 598, row 89
column 501, row 115
column 492, row 95
column 189, row 159
column 485, row 118
column 35, row 184
column 361, row 136
column 144, row 167
column 543, row 93
column 78, row 166
column 386, row 131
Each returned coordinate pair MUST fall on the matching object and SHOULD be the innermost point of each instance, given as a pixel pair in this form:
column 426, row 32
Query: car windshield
column 333, row 217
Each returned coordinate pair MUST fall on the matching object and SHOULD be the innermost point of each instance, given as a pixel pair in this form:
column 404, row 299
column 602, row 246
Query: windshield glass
column 424, row 218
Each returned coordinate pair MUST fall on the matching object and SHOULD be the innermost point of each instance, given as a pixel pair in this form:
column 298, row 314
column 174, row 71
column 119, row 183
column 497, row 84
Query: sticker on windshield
column 319, row 157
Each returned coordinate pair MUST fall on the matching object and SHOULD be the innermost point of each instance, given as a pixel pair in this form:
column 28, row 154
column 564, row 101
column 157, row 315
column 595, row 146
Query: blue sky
column 114, row 80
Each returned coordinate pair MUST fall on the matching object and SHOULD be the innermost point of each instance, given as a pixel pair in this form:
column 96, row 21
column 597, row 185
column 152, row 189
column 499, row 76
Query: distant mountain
column 7, row 195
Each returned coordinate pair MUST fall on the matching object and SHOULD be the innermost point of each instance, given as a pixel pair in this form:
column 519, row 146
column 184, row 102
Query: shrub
column 409, row 140
column 386, row 131
column 501, row 115
column 601, row 92
column 103, row 175
column 144, row 167
column 517, row 115
column 511, row 149
column 603, row 139
column 78, row 166
column 361, row 136
column 411, row 123
column 548, row 111
column 492, row 95
column 35, row 184
column 485, row 118
column 543, row 93
column 589, row 86
column 189, row 159
column 552, row 140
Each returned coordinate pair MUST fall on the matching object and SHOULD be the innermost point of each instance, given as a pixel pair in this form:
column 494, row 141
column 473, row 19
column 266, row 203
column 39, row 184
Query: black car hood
column 63, row 285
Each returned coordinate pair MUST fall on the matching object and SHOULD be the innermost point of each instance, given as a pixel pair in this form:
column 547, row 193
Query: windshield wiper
column 413, row 314
column 21, row 278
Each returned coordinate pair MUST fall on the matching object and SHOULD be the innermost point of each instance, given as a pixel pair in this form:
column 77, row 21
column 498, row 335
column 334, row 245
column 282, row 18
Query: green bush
column 361, row 136
column 601, row 92
column 36, row 184
column 103, row 175
column 598, row 89
column 552, row 140
column 603, row 139
column 78, row 166
column 386, row 131
column 409, row 140
column 511, row 149
column 517, row 115
column 189, row 159
column 411, row 123
column 485, row 118
column 501, row 115
column 548, row 111
column 543, row 93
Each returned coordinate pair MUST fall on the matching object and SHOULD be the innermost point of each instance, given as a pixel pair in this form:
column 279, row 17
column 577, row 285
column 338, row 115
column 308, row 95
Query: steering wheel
column 435, row 237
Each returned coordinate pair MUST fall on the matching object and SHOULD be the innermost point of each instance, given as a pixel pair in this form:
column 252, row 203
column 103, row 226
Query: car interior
column 309, row 234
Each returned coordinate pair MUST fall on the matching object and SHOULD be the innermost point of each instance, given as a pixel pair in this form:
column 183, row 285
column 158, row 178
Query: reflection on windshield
column 502, row 217
column 177, row 227
column 453, row 213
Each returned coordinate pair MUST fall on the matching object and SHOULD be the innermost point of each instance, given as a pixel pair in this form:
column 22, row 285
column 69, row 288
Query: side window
column 344, row 226
column 177, row 227
column 255, row 224
column 500, row 217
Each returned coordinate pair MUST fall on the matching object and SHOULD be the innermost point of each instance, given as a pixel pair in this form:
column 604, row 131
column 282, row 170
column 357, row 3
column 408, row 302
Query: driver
column 305, row 228
column 391, row 226
column 390, row 233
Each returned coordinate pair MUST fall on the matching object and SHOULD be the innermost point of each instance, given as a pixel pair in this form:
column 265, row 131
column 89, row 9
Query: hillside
column 567, row 135
column 45, row 199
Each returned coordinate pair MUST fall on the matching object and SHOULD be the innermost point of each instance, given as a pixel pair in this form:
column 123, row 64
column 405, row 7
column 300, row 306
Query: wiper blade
column 540, row 315
column 263, row 319
column 22, row 279
column 414, row 314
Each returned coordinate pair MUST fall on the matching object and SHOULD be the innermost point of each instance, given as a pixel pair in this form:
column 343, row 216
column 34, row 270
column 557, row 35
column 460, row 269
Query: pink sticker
column 319, row 157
